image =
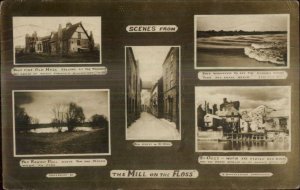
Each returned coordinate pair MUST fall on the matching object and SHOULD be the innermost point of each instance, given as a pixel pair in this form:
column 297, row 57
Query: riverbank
column 76, row 142
column 246, row 146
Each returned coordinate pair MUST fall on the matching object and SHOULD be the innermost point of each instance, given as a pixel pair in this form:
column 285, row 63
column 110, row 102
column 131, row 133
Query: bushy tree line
column 98, row 121
column 23, row 121
column 70, row 115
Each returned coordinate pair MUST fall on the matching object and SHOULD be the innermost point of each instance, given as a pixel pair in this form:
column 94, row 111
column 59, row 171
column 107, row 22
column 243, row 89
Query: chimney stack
column 34, row 35
column 59, row 32
column 215, row 109
column 59, row 40
column 68, row 25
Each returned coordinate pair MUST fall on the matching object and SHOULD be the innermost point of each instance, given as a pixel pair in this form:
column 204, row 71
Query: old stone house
column 229, row 111
column 156, row 100
column 200, row 117
column 278, row 120
column 134, row 87
column 71, row 39
column 171, row 85
column 212, row 121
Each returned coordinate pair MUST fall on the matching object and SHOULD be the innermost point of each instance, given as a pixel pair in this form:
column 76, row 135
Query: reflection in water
column 243, row 146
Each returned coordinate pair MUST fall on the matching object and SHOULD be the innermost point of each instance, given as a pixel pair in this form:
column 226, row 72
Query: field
column 82, row 142
column 83, row 57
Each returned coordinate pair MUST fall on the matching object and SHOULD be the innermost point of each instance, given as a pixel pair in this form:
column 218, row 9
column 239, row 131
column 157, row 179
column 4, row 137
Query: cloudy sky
column 150, row 60
column 249, row 97
column 45, row 25
column 38, row 104
column 242, row 22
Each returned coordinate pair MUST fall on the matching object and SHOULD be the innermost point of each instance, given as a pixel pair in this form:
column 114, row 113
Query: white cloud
column 276, row 97
column 92, row 102
column 242, row 22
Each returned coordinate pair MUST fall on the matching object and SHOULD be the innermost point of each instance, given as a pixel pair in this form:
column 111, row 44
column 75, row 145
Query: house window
column 39, row 47
column 79, row 35
column 78, row 42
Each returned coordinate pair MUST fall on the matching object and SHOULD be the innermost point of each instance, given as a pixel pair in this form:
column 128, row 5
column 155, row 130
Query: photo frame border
column 179, row 102
column 56, row 64
column 241, row 68
column 240, row 151
column 60, row 155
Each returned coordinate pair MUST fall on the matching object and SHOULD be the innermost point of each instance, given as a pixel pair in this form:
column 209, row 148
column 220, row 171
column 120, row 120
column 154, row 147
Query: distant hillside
column 211, row 33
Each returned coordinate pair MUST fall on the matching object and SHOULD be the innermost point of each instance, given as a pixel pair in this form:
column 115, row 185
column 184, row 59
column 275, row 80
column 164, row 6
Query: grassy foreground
column 62, row 143
column 91, row 57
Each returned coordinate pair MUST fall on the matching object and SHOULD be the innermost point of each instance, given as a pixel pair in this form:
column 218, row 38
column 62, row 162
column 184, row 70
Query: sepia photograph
column 61, row 122
column 152, row 93
column 57, row 40
column 243, row 119
column 242, row 41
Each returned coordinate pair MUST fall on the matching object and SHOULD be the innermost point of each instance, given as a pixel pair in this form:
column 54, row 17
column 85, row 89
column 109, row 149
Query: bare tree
column 59, row 111
column 70, row 115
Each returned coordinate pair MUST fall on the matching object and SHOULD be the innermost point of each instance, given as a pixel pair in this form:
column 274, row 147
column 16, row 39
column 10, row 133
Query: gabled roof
column 278, row 113
column 54, row 38
column 68, row 32
column 45, row 37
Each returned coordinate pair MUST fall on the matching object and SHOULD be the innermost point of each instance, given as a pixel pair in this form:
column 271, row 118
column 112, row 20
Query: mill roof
column 278, row 113
column 228, row 112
